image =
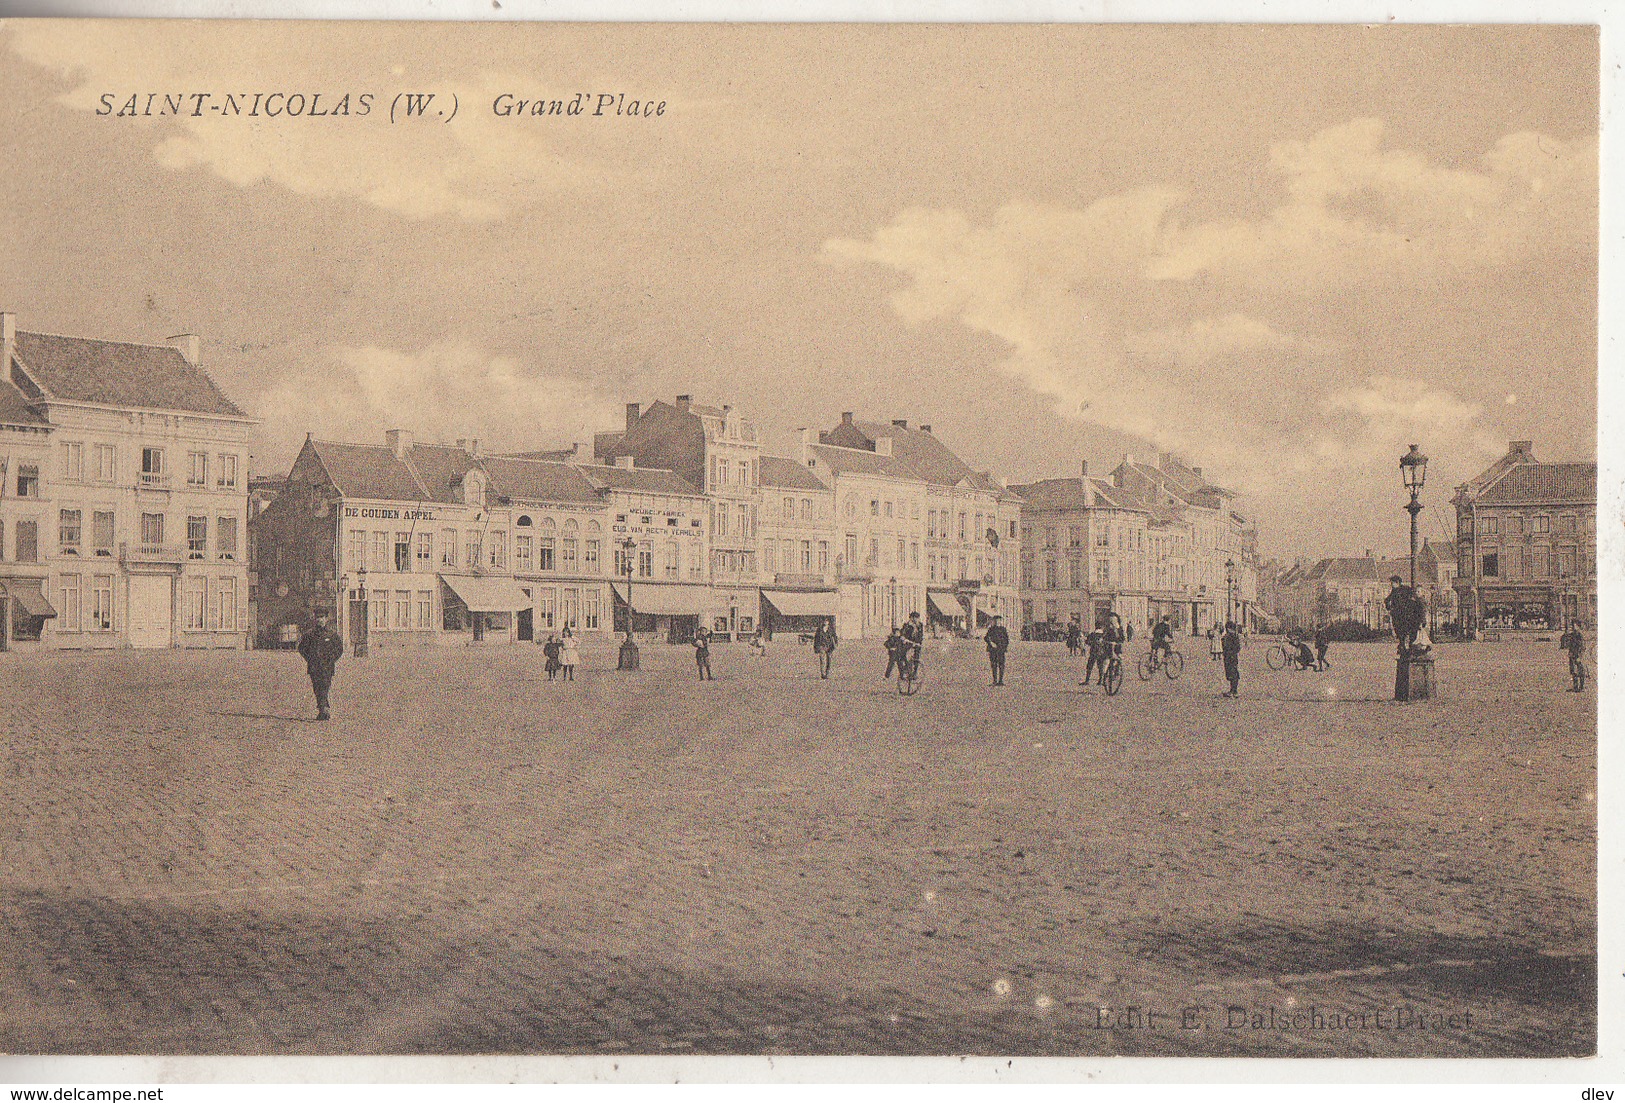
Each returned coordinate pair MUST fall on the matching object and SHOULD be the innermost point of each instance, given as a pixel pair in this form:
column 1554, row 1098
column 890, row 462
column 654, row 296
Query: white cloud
column 443, row 392
column 480, row 168
column 1355, row 212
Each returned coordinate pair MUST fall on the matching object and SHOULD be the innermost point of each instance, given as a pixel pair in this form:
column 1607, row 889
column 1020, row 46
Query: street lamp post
column 360, row 647
column 1413, row 674
column 629, row 646
column 1229, row 591
column 891, row 600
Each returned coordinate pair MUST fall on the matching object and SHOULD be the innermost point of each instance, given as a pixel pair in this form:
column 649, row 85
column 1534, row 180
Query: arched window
column 523, row 522
column 545, row 546
column 571, row 547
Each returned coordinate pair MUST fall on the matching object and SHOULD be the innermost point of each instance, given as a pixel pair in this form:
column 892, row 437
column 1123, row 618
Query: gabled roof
column 14, row 407
column 1535, row 483
column 1340, row 569
column 778, row 471
column 368, row 471
column 915, row 454
column 649, row 480
column 112, row 373
column 539, row 480
column 1053, row 494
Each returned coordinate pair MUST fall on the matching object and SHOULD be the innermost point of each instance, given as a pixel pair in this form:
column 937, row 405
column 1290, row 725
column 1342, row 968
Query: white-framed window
column 225, row 537
column 379, row 560
column 524, row 557
column 101, row 603
column 72, row 608
column 194, row 604
column 672, row 560
column 589, row 609
column 102, row 532
column 403, row 609
column 70, row 531
column 357, row 550
column 590, row 564
column 226, row 471
column 378, row 610
column 73, row 461
column 425, row 550
column 197, row 537
column 152, row 529
column 499, row 549
column 28, row 480
column 475, row 545
column 646, row 561
column 403, row 551
column 106, row 463
column 422, row 610
column 546, row 607
column 223, row 607
column 197, row 469
column 448, row 547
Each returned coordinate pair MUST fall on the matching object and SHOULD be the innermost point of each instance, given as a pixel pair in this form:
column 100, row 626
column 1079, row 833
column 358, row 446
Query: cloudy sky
column 1282, row 253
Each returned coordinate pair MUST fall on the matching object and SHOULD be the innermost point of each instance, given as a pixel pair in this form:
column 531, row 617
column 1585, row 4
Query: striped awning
column 802, row 603
column 28, row 594
column 487, row 595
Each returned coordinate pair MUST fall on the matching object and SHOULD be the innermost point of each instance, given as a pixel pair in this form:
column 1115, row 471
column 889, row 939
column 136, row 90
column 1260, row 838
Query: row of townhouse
column 123, row 496
column 1355, row 588
column 1146, row 541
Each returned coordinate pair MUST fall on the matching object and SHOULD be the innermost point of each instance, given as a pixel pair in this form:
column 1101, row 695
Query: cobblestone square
column 470, row 859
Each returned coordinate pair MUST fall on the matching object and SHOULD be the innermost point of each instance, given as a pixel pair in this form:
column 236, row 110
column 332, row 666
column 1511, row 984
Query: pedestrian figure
column 1405, row 613
column 997, row 640
column 1095, row 646
column 1323, row 642
column 1230, row 648
column 702, row 653
column 1074, row 638
column 757, row 647
column 551, row 649
column 913, row 634
column 824, row 646
column 893, row 645
column 321, row 648
column 569, row 655
column 1214, row 650
column 1574, row 643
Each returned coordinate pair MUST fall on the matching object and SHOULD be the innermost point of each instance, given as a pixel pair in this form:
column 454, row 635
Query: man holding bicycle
column 1162, row 641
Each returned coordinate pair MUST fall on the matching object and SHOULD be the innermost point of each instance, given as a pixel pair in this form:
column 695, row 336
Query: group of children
column 563, row 653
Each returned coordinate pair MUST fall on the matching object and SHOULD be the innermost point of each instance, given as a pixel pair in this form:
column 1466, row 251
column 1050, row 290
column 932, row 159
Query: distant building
column 133, row 532
column 798, row 547
column 715, row 451
column 1526, row 544
column 918, row 530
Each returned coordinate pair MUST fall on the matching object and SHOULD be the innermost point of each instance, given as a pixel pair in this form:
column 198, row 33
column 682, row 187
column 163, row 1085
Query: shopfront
column 667, row 610
column 23, row 612
column 799, row 611
column 482, row 608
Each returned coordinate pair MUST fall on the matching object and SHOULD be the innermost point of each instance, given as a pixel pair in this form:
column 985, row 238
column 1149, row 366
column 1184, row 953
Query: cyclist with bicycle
column 1111, row 643
column 1162, row 641
column 913, row 638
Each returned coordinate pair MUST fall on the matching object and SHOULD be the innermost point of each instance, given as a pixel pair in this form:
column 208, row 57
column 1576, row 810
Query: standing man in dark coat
column 824, row 645
column 702, row 653
column 997, row 639
column 1405, row 613
column 1230, row 646
column 320, row 648
column 1323, row 641
column 1095, row 646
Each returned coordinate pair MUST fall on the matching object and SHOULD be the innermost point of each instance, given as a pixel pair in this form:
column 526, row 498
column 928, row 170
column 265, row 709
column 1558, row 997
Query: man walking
column 824, row 645
column 1323, row 641
column 893, row 645
column 702, row 653
column 1575, row 644
column 320, row 648
column 997, row 640
column 1095, row 646
column 1230, row 647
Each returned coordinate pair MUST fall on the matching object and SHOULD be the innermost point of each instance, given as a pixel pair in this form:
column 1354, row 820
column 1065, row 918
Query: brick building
column 131, row 531
column 1526, row 544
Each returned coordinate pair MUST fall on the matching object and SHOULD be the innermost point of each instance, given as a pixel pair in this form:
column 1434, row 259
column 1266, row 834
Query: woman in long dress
column 571, row 655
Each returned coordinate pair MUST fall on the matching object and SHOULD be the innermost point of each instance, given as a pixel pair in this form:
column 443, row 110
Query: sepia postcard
column 851, row 539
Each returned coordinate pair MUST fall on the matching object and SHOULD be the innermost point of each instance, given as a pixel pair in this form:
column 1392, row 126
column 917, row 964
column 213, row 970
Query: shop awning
column 945, row 603
column 799, row 603
column 487, row 595
column 665, row 599
column 26, row 593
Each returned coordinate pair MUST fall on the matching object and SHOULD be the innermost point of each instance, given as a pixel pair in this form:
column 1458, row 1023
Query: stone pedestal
column 629, row 655
column 1413, row 679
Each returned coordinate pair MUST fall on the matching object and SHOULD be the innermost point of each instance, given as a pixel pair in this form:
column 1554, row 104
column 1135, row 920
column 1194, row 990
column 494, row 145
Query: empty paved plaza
column 470, row 859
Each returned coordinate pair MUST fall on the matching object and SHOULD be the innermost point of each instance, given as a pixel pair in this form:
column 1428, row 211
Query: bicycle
column 1172, row 664
column 1282, row 657
column 910, row 673
column 1114, row 675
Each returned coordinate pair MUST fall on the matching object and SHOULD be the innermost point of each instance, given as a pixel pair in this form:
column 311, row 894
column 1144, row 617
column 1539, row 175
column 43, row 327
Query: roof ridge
column 104, row 341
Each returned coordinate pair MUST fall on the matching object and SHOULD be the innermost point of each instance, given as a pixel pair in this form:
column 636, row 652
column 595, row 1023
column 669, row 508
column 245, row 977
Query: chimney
column 625, row 463
column 804, row 453
column 846, row 417
column 925, row 428
column 1197, row 471
column 1165, row 460
column 684, row 401
column 883, row 446
column 631, row 415
column 8, row 339
column 1368, row 553
column 1083, row 469
column 1128, row 459
column 189, row 345
column 399, row 441
column 1522, row 448
column 474, row 447
column 901, row 423
column 462, row 442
